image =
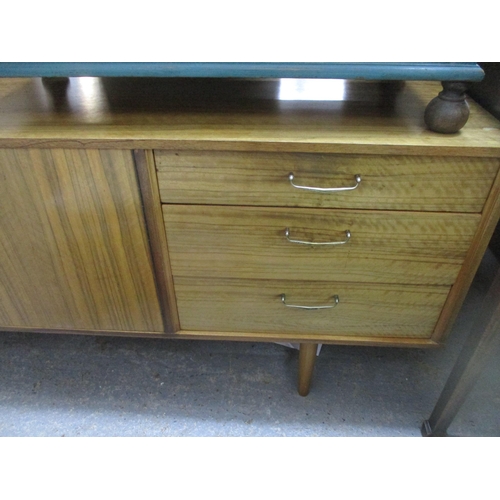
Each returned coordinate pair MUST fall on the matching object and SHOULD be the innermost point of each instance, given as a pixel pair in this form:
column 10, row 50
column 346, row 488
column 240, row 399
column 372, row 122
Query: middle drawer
column 318, row 244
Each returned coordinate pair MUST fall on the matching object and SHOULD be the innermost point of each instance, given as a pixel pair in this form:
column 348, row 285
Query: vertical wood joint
column 148, row 185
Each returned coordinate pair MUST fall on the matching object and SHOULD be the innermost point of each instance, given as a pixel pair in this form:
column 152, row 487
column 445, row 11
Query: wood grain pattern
column 388, row 182
column 255, row 306
column 74, row 252
column 250, row 122
column 148, row 183
column 489, row 220
column 249, row 337
column 359, row 117
column 385, row 247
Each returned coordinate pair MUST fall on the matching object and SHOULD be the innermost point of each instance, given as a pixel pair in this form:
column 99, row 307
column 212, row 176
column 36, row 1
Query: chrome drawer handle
column 357, row 178
column 343, row 242
column 311, row 308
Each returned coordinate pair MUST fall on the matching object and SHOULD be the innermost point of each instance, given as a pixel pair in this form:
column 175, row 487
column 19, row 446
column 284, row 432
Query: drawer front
column 257, row 306
column 383, row 247
column 444, row 184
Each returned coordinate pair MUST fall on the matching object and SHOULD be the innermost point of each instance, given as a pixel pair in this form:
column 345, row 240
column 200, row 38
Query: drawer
column 251, row 242
column 257, row 306
column 420, row 183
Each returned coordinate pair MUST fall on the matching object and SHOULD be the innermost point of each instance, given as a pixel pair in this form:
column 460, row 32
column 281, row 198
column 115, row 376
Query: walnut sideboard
column 216, row 209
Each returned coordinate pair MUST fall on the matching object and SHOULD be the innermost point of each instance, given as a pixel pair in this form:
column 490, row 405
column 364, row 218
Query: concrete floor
column 70, row 385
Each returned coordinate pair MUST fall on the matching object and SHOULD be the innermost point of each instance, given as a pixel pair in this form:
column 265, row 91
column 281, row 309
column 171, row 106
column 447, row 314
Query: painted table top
column 366, row 71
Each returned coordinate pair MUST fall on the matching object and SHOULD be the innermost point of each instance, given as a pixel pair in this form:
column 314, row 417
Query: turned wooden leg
column 55, row 81
column 448, row 112
column 307, row 358
column 57, row 88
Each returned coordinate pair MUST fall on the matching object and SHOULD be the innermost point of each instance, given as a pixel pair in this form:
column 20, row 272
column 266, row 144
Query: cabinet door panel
column 74, row 251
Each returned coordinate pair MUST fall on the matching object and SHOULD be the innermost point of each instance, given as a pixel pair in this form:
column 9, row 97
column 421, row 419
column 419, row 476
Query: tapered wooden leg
column 307, row 358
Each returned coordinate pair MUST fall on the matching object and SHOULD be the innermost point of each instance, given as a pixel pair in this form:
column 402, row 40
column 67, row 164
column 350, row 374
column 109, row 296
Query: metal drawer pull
column 311, row 308
column 347, row 238
column 357, row 178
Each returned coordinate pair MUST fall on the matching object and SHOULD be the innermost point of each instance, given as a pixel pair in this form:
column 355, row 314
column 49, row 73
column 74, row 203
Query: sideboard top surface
column 339, row 116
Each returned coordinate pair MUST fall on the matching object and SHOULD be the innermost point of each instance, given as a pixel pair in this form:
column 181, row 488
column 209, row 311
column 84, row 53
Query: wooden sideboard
column 216, row 209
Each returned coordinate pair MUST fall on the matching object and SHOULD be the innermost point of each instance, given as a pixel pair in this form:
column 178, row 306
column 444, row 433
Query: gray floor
column 65, row 385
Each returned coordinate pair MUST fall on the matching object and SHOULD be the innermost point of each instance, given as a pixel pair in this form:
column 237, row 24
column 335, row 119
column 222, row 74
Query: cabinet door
column 74, row 249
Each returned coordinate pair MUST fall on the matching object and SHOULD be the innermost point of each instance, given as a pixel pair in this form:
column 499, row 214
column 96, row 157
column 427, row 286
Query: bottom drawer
column 241, row 305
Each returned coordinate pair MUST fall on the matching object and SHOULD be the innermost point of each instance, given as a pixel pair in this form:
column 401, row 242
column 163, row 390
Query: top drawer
column 444, row 184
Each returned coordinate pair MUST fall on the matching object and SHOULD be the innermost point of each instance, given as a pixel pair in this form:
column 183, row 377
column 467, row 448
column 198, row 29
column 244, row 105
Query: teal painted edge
column 354, row 71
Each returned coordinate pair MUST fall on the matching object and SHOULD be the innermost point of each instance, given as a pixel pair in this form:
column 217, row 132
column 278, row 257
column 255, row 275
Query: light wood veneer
column 147, row 207
column 74, row 253
column 417, row 183
column 385, row 247
column 255, row 305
